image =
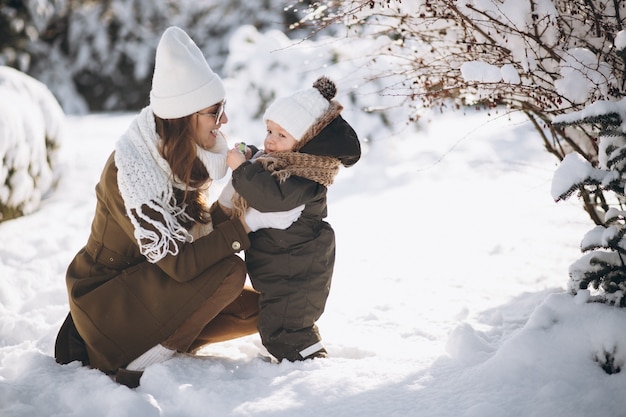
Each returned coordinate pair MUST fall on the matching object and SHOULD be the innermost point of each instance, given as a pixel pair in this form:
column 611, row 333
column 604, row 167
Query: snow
column 516, row 14
column 572, row 170
column 597, row 108
column 481, row 72
column 443, row 303
column 509, row 74
column 620, row 40
column 450, row 289
column 581, row 75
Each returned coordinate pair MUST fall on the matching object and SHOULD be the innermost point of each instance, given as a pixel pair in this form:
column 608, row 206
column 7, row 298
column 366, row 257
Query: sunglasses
column 218, row 114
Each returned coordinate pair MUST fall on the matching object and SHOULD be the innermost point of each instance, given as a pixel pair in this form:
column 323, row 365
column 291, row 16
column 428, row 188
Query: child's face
column 278, row 139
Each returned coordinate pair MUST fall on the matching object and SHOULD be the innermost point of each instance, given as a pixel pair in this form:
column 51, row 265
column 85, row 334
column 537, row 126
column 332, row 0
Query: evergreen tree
column 602, row 268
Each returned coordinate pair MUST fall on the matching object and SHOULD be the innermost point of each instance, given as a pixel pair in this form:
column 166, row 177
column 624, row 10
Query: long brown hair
column 179, row 150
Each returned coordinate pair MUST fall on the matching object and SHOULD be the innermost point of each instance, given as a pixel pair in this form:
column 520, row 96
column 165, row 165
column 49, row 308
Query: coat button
column 236, row 245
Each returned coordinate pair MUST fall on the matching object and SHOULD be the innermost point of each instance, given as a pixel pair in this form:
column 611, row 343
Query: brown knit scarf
column 282, row 165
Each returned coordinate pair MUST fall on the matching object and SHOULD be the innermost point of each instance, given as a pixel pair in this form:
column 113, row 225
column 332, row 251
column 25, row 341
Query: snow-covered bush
column 602, row 269
column 541, row 57
column 31, row 129
column 544, row 57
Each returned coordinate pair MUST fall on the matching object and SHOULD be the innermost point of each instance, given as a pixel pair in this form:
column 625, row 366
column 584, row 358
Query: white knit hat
column 296, row 113
column 183, row 83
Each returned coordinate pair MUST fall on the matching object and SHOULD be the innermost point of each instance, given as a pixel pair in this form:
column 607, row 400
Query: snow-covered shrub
column 541, row 57
column 544, row 57
column 31, row 124
column 602, row 268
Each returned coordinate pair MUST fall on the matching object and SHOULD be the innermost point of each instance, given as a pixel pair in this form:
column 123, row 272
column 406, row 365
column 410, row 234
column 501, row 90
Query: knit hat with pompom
column 297, row 112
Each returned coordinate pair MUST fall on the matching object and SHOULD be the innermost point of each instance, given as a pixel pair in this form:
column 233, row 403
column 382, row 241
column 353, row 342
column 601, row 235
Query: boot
column 129, row 378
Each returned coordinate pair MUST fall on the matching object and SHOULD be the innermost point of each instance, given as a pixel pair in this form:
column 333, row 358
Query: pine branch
column 579, row 186
column 609, row 277
column 616, row 155
column 612, row 119
column 612, row 133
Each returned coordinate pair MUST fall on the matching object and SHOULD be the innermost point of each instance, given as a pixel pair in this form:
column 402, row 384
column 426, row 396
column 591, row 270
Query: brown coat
column 123, row 305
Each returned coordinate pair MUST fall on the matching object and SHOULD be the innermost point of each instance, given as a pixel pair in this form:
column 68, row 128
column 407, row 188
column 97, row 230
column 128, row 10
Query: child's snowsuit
column 292, row 268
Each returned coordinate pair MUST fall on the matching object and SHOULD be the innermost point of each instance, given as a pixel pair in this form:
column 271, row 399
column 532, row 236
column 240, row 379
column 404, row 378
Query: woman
column 159, row 273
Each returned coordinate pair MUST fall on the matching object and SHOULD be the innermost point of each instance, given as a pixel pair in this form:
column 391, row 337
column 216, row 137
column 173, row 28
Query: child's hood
column 332, row 136
column 338, row 140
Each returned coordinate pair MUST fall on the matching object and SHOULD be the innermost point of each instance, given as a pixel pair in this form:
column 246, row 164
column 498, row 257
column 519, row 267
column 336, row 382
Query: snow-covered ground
column 448, row 296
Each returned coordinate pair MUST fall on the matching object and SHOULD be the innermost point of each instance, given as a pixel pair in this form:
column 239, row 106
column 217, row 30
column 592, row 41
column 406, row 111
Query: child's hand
column 234, row 158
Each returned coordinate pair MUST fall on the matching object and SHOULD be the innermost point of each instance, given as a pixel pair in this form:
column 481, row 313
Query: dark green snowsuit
column 292, row 268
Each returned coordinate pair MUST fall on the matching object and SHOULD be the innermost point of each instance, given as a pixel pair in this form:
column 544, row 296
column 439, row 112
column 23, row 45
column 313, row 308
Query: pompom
column 326, row 87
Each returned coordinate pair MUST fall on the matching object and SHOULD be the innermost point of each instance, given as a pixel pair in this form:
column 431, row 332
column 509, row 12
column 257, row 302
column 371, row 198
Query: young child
column 307, row 141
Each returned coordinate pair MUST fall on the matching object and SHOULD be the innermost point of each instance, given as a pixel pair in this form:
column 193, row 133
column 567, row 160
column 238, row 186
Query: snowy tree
column 264, row 65
column 31, row 129
column 98, row 56
column 541, row 57
column 603, row 266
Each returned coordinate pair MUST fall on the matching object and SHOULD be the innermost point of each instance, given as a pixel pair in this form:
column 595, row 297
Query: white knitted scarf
column 145, row 179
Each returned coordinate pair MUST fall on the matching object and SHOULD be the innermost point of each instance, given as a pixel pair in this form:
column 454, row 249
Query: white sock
column 156, row 354
column 312, row 349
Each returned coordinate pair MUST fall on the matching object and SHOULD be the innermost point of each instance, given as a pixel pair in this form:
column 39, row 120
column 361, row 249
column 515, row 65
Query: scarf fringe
column 156, row 244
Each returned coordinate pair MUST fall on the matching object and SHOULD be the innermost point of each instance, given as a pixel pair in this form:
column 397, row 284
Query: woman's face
column 208, row 123
column 278, row 139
